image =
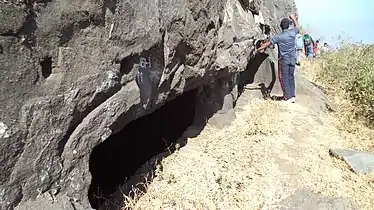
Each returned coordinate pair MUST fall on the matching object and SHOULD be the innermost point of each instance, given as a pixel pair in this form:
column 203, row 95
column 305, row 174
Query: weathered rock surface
column 305, row 199
column 359, row 162
column 75, row 72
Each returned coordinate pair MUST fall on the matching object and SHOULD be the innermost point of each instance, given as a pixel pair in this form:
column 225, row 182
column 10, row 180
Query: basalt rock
column 75, row 72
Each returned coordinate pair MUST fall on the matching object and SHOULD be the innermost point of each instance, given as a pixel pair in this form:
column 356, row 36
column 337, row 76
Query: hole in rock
column 116, row 159
column 127, row 64
column 220, row 21
column 46, row 65
column 210, row 27
column 66, row 33
column 252, row 70
column 245, row 4
column 265, row 29
column 111, row 5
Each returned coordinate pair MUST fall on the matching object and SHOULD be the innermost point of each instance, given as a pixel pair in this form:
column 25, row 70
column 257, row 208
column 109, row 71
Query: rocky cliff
column 73, row 73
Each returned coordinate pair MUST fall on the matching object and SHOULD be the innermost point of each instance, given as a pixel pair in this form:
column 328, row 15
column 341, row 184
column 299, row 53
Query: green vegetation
column 351, row 69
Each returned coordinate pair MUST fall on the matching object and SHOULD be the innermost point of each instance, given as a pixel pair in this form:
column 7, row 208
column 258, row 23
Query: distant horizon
column 328, row 19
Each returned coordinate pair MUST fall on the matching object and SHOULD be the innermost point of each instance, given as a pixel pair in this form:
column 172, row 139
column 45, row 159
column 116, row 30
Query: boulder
column 359, row 162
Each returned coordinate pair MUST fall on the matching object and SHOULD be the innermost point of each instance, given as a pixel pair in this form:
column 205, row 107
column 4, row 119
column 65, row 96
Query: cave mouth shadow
column 123, row 160
column 248, row 76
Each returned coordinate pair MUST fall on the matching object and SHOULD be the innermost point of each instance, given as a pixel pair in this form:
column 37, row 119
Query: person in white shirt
column 325, row 47
column 299, row 48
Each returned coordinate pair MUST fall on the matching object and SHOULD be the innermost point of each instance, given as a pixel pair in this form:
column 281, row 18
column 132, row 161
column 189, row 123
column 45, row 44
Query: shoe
column 289, row 101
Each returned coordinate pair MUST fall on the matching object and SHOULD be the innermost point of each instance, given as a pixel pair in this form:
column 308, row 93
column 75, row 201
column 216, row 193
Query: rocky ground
column 272, row 156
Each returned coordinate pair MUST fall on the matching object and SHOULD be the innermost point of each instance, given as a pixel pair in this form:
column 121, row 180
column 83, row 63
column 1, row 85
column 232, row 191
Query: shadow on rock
column 254, row 68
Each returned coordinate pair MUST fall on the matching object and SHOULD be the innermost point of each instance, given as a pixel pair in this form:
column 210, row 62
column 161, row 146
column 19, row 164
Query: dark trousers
column 286, row 72
column 309, row 51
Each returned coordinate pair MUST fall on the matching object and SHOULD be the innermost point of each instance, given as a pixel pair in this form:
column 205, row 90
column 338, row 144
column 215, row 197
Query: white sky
column 329, row 18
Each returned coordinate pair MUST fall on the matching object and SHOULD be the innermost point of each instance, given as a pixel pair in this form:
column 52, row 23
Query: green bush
column 351, row 68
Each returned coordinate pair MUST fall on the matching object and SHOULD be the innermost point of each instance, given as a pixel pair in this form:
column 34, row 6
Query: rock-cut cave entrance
column 116, row 159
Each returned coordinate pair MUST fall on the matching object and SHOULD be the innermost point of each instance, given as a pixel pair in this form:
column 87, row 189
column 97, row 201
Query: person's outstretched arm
column 273, row 40
column 294, row 20
column 263, row 46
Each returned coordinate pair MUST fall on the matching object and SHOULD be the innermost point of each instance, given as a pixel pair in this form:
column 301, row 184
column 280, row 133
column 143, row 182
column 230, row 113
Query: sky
column 326, row 19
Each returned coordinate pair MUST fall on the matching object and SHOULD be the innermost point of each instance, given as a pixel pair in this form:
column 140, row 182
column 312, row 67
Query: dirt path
column 270, row 151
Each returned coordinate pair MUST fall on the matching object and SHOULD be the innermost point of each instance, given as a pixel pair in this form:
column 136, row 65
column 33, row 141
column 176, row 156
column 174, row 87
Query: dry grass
column 267, row 153
column 216, row 170
column 354, row 130
column 351, row 68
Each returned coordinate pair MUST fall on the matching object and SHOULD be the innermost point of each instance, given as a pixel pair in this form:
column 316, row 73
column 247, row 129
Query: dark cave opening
column 117, row 158
column 247, row 76
column 265, row 29
column 46, row 65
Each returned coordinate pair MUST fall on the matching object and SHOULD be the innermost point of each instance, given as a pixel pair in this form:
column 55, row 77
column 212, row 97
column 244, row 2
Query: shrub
column 351, row 68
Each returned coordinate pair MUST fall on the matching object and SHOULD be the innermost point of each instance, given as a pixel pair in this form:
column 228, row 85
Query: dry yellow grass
column 201, row 175
column 265, row 155
column 357, row 135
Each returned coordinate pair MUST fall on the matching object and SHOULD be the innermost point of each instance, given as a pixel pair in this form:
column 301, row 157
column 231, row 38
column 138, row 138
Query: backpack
column 307, row 40
column 299, row 42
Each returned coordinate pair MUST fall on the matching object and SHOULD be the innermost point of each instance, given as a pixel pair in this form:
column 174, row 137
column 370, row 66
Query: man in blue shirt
column 286, row 56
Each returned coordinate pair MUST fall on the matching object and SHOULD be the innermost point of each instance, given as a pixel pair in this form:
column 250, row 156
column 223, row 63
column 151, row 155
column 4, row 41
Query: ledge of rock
column 359, row 162
column 76, row 72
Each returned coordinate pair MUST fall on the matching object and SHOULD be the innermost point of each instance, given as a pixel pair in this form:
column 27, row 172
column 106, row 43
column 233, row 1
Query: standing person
column 308, row 44
column 286, row 56
column 325, row 48
column 299, row 48
column 316, row 48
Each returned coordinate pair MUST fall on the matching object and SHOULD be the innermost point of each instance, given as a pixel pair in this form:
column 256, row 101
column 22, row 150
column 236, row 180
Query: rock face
column 75, row 72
